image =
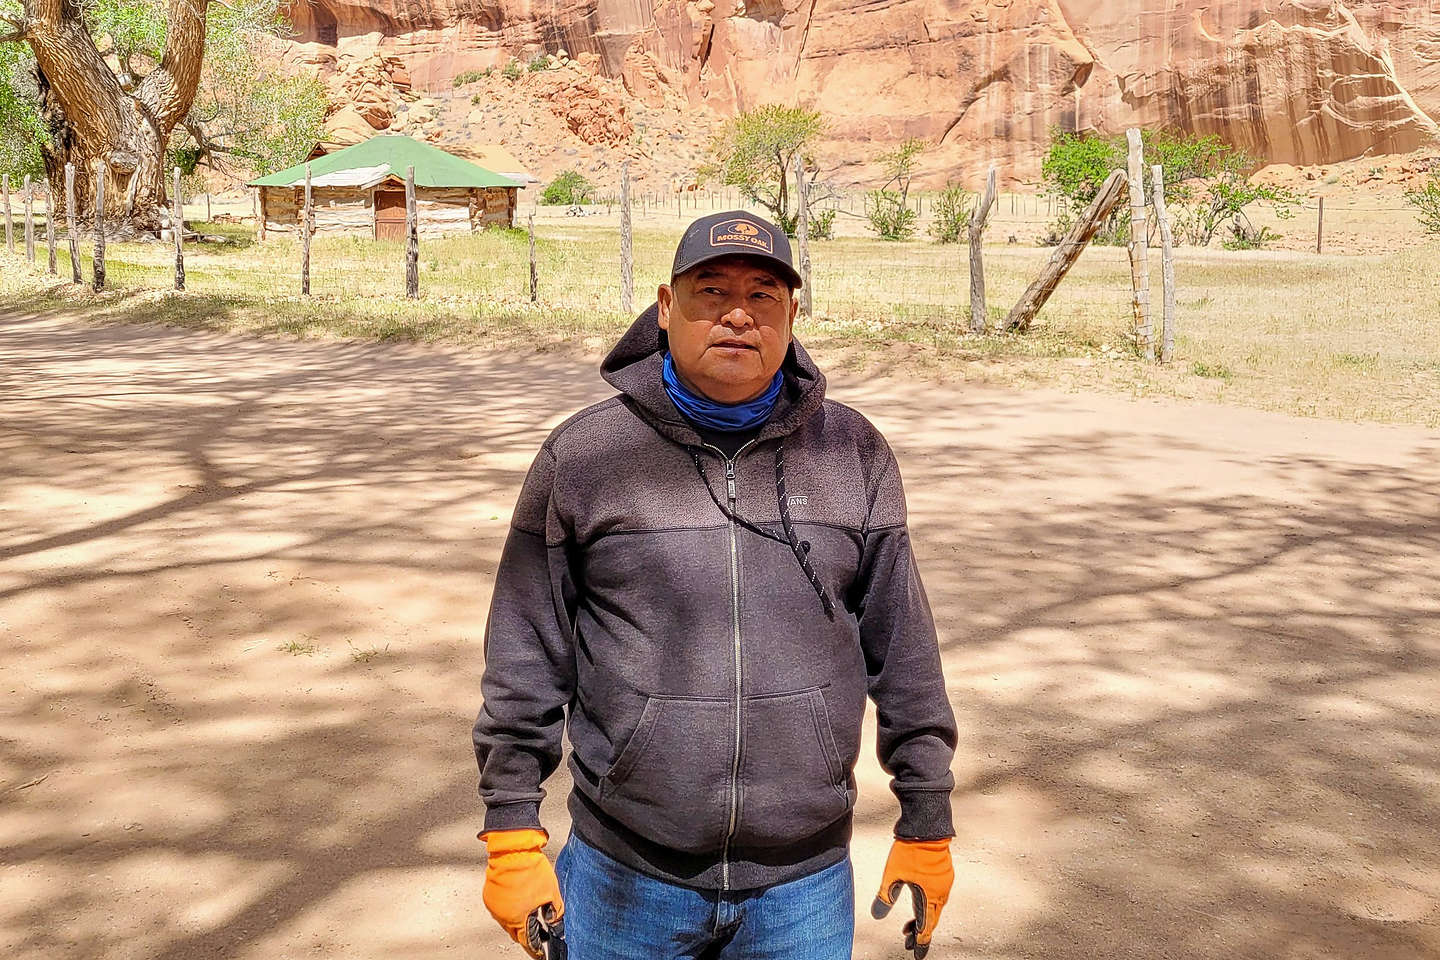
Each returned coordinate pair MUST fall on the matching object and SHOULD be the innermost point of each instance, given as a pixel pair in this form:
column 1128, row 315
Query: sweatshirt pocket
column 791, row 779
column 671, row 782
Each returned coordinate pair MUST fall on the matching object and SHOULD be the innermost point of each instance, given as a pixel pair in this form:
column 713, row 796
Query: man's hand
column 521, row 888
column 924, row 866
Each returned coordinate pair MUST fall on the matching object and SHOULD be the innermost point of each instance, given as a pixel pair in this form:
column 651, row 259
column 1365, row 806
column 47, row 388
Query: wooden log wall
column 344, row 210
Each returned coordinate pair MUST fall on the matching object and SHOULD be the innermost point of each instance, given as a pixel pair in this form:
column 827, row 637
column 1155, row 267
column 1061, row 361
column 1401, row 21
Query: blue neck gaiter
column 726, row 417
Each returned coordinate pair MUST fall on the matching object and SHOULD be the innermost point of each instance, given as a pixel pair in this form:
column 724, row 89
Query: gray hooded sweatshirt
column 651, row 600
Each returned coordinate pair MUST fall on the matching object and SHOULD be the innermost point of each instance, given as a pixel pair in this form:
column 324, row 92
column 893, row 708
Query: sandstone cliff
column 1292, row 81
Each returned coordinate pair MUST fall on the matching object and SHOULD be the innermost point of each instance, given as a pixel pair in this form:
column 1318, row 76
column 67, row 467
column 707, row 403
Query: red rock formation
column 1293, row 81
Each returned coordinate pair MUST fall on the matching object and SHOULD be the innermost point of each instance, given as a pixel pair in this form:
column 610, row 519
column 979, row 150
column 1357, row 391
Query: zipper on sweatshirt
column 733, row 498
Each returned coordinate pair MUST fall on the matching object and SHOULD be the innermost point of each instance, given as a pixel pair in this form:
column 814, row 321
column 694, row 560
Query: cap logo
column 742, row 233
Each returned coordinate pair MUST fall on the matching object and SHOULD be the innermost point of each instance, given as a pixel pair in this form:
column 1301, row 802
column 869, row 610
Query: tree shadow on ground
column 1195, row 674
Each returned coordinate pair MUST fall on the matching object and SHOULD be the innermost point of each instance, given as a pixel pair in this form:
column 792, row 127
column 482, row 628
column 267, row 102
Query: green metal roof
column 389, row 154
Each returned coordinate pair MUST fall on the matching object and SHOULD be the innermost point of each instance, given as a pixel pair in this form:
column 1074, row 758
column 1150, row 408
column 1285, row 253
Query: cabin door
column 389, row 214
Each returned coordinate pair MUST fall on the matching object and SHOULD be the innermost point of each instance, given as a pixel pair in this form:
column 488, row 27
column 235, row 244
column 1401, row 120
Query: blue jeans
column 615, row 913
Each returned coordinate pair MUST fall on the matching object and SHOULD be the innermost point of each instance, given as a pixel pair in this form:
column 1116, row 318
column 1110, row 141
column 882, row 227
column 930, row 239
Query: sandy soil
column 1194, row 652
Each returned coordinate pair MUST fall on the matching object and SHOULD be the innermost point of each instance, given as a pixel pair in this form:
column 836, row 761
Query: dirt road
column 1194, row 652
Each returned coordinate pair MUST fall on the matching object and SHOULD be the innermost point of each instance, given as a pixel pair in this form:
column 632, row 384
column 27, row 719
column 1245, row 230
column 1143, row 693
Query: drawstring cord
column 801, row 550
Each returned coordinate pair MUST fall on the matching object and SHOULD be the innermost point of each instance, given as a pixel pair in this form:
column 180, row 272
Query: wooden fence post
column 1320, row 226
column 1167, row 267
column 802, row 236
column 50, row 223
column 306, row 219
column 1139, row 247
column 98, row 270
column 9, row 226
column 72, row 230
column 534, row 274
column 1065, row 255
column 627, row 249
column 412, row 238
column 29, row 221
column 981, row 213
column 177, row 229
column 207, row 206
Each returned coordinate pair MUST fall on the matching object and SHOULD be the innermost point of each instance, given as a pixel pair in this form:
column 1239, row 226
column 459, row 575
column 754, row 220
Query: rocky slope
column 1293, row 81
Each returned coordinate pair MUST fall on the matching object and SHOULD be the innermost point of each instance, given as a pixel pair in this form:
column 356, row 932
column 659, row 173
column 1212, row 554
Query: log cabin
column 361, row 189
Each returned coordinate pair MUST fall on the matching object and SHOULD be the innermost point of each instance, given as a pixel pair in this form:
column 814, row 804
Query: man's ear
column 794, row 312
column 665, row 298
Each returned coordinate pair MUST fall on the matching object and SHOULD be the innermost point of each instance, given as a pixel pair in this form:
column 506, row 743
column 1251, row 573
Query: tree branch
column 168, row 90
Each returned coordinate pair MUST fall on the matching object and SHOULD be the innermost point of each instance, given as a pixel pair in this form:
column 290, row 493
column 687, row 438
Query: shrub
column 952, row 213
column 512, row 70
column 822, row 224
column 1426, row 201
column 889, row 216
column 470, row 76
column 538, row 63
column 567, row 188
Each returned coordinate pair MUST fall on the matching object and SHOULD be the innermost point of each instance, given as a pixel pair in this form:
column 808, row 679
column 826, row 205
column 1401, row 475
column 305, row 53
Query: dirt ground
column 1194, row 652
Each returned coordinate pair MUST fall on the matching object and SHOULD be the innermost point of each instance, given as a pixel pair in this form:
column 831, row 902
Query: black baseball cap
column 732, row 233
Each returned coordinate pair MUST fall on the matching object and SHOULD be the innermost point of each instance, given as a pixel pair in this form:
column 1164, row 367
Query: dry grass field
column 1342, row 335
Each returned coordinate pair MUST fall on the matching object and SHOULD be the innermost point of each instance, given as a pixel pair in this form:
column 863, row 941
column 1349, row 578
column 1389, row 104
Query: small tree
column 755, row 152
column 1426, row 201
column 1074, row 169
column 1225, row 199
column 888, row 209
column 568, row 188
column 952, row 213
column 822, row 224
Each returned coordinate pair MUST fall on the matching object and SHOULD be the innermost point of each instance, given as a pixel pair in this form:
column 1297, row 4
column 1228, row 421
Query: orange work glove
column 519, row 883
column 924, row 866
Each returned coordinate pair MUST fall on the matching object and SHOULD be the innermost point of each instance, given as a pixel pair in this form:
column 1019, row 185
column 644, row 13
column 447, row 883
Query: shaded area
column 1194, row 652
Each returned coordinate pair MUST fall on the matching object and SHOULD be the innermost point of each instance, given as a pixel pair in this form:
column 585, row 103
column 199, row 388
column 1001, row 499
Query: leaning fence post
column 305, row 226
column 1139, row 247
column 534, row 274
column 627, row 250
column 802, row 235
column 29, row 221
column 177, row 227
column 978, row 318
column 412, row 239
column 72, row 231
column 9, row 226
column 50, row 222
column 1167, row 267
column 1112, row 192
column 98, row 271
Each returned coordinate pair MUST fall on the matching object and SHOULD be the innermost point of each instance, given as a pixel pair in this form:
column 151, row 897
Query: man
column 705, row 576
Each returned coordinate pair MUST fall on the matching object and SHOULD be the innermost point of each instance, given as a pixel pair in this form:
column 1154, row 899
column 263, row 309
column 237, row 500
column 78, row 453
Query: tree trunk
column 92, row 118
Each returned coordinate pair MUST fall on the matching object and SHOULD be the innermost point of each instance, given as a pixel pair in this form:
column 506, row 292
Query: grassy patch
column 366, row 654
column 1330, row 336
column 1369, row 362
column 304, row 647
column 1215, row 371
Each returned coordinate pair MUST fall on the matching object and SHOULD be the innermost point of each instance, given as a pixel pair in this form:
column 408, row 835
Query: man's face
column 729, row 323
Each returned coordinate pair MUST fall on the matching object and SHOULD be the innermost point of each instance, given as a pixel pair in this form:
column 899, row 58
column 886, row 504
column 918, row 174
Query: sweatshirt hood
column 634, row 368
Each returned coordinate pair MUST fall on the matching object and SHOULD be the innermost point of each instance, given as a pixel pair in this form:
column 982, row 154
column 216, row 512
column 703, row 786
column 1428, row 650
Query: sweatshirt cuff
column 513, row 816
column 924, row 815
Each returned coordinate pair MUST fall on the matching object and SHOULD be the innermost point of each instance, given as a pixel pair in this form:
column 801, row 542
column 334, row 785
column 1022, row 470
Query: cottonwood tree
column 114, row 79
